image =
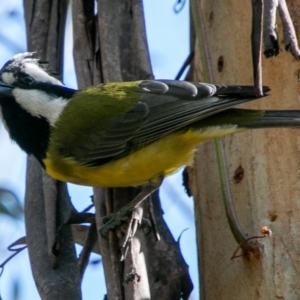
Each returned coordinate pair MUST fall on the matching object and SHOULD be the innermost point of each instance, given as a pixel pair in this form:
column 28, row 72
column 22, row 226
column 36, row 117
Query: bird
column 120, row 134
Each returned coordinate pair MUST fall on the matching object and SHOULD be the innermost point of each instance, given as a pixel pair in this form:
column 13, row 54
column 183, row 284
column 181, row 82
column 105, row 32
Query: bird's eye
column 26, row 79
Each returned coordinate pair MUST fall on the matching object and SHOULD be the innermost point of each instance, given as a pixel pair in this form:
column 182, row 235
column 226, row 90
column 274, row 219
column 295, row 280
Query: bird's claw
column 114, row 220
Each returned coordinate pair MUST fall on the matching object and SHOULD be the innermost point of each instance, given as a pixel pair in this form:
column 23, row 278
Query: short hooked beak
column 5, row 89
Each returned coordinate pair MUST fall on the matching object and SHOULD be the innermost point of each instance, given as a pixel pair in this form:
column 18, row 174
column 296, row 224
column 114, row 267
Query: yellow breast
column 160, row 158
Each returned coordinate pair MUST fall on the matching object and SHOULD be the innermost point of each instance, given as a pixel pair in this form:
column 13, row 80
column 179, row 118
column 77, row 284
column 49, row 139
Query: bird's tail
column 251, row 119
column 273, row 119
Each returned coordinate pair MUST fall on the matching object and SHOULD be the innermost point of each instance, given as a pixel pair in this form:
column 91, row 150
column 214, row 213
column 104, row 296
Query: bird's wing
column 100, row 144
column 184, row 103
column 164, row 106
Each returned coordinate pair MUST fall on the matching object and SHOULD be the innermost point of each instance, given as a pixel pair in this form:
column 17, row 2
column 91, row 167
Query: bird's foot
column 110, row 222
column 115, row 220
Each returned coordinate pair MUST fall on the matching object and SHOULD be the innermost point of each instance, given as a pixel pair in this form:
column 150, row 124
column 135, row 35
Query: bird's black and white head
column 31, row 101
column 23, row 70
column 34, row 88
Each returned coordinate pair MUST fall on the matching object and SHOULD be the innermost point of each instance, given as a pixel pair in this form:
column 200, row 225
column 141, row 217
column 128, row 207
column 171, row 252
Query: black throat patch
column 31, row 133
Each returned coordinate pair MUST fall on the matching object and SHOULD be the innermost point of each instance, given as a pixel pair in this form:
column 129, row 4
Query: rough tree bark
column 269, row 161
column 47, row 204
column 113, row 47
column 110, row 46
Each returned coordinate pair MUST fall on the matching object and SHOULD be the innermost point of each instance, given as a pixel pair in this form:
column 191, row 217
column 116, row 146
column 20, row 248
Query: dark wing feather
column 166, row 106
column 173, row 114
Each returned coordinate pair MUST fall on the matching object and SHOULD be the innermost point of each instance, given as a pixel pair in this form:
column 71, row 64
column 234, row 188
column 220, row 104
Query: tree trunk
column 269, row 161
column 112, row 46
column 47, row 204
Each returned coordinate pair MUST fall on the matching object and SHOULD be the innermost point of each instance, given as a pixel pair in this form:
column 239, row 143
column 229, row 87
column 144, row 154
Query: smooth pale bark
column 269, row 193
